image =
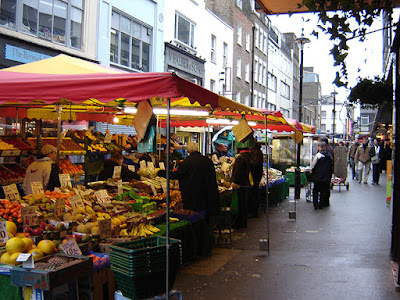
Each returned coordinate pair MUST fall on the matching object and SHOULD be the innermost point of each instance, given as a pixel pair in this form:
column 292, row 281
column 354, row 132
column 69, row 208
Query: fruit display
column 8, row 176
column 67, row 144
column 10, row 211
column 6, row 146
column 18, row 143
column 67, row 167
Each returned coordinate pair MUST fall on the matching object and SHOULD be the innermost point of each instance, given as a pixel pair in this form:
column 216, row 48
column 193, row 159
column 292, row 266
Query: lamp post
column 301, row 41
column 334, row 93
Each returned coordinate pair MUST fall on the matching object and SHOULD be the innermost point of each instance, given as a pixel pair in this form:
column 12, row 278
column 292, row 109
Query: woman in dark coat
column 256, row 167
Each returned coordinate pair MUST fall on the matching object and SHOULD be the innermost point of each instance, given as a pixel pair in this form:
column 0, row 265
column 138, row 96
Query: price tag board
column 119, row 185
column 37, row 187
column 76, row 201
column 105, row 228
column 102, row 196
column 29, row 216
column 11, row 153
column 26, row 259
column 65, row 180
column 59, row 207
column 162, row 165
column 153, row 189
column 90, row 129
column 71, row 248
column 107, row 138
column 131, row 168
column 142, row 164
column 164, row 186
column 117, row 172
column 11, row 191
column 150, row 165
column 3, row 232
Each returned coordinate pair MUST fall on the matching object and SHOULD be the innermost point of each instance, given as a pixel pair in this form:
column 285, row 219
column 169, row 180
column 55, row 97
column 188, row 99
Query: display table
column 290, row 178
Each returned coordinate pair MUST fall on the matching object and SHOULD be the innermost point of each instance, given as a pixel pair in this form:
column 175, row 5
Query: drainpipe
column 252, row 69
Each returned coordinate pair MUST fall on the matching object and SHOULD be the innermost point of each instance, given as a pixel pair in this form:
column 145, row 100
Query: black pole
column 252, row 70
column 334, row 117
column 297, row 171
column 167, row 199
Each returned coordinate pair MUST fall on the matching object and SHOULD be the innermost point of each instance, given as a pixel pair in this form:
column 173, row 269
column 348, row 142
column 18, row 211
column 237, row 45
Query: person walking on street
column 352, row 154
column 321, row 172
column 256, row 167
column 376, row 158
column 362, row 160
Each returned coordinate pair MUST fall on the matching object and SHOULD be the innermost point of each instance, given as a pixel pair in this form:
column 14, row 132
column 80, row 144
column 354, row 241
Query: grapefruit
column 28, row 244
column 46, row 246
column 20, row 235
column 5, row 258
column 10, row 235
column 13, row 258
column 11, row 227
column 36, row 253
column 15, row 245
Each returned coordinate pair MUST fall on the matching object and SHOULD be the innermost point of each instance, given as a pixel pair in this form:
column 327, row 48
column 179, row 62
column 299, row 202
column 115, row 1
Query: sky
column 364, row 58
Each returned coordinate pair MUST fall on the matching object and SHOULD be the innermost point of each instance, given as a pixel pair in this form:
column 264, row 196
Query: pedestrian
column 326, row 141
column 352, row 153
column 376, row 157
column 321, row 172
column 362, row 159
column 117, row 160
column 256, row 168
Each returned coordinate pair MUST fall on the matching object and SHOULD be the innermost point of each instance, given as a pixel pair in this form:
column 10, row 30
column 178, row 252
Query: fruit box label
column 3, row 232
column 102, row 196
column 65, row 180
column 71, row 248
column 105, row 228
column 76, row 201
column 107, row 138
column 59, row 207
column 117, row 172
column 29, row 216
column 11, row 191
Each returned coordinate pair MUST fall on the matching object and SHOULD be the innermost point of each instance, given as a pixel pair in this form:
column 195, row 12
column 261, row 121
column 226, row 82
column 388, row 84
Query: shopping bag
column 360, row 166
column 375, row 159
column 235, row 202
column 242, row 130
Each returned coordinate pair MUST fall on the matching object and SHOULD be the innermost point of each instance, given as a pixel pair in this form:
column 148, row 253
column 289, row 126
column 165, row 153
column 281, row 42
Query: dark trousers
column 240, row 220
column 376, row 170
column 254, row 200
column 321, row 193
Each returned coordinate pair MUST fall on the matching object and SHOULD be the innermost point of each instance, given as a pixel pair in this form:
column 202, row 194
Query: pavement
column 339, row 252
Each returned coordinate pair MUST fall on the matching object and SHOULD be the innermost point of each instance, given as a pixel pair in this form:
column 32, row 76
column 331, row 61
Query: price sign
column 71, row 248
column 59, row 207
column 37, row 187
column 132, row 168
column 3, row 232
column 150, row 165
column 164, row 186
column 11, row 153
column 26, row 259
column 119, row 185
column 105, row 228
column 153, row 189
column 76, row 201
column 142, row 164
column 90, row 129
column 102, row 196
column 11, row 191
column 107, row 138
column 65, row 180
column 162, row 165
column 29, row 216
column 117, row 172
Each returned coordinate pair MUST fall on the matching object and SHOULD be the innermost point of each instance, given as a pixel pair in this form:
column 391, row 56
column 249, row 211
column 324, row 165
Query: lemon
column 15, row 245
column 11, row 227
column 5, row 258
column 13, row 258
column 46, row 246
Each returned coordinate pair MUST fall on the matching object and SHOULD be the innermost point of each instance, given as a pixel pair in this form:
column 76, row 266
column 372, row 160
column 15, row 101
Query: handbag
column 360, row 166
column 375, row 159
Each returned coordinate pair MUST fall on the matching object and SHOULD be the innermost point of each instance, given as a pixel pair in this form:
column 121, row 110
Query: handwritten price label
column 76, row 201
column 142, row 164
column 102, row 196
column 107, row 138
column 105, row 228
column 150, row 165
column 71, row 248
column 59, row 207
column 3, row 232
column 37, row 187
column 162, row 165
column 119, row 185
column 65, row 180
column 131, row 168
column 29, row 216
column 117, row 172
column 11, row 191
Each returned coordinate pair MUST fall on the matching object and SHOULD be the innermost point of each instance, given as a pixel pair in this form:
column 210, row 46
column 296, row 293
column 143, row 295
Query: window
column 248, row 42
column 130, row 42
column 184, row 30
column 285, row 91
column 263, row 75
column 323, row 127
column 261, row 39
column 284, row 112
column 212, row 85
column 54, row 20
column 247, row 100
column 225, row 55
column 213, row 48
column 365, row 121
column 255, row 70
column 323, row 114
column 272, row 82
column 259, row 75
column 239, row 3
column 238, row 97
column 256, row 36
column 239, row 68
column 239, row 34
column 247, row 73
column 307, row 120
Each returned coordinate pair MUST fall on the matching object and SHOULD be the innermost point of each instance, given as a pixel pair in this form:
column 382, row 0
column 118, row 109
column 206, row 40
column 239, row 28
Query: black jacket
column 108, row 171
column 322, row 167
column 198, row 184
column 256, row 164
column 241, row 170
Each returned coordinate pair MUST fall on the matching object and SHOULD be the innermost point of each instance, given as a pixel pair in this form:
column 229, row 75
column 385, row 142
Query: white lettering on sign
column 71, row 248
column 117, row 172
column 65, row 180
column 102, row 196
column 3, row 232
column 29, row 216
column 37, row 187
column 11, row 191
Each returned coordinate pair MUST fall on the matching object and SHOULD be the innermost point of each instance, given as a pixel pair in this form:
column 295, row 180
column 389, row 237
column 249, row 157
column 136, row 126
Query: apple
column 49, row 227
column 37, row 231
column 29, row 230
column 42, row 225
column 60, row 227
column 78, row 238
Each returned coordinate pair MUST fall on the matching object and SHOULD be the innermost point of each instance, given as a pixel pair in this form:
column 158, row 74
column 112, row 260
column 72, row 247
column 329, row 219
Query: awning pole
column 266, row 242
column 59, row 109
column 167, row 198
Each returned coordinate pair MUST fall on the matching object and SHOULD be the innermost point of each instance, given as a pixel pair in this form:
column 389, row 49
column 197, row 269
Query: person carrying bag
column 375, row 160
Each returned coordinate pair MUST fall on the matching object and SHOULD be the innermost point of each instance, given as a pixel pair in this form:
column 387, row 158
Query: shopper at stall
column 362, row 160
column 376, row 157
column 321, row 172
column 197, row 182
column 220, row 151
column 256, row 167
column 241, row 182
column 43, row 170
column 352, row 153
column 109, row 165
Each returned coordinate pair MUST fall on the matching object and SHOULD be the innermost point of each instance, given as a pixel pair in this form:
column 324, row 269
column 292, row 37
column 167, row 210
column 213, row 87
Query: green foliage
column 372, row 93
column 335, row 16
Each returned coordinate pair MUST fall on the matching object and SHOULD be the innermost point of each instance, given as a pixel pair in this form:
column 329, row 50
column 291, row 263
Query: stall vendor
column 117, row 160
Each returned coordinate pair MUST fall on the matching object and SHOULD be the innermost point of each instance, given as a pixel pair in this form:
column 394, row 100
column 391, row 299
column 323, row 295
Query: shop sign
column 23, row 55
column 184, row 62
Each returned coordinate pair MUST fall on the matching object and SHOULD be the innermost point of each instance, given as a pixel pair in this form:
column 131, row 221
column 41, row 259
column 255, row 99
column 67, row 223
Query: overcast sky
column 364, row 59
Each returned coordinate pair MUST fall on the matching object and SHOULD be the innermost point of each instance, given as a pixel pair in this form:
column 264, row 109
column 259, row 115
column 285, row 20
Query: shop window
column 239, row 3
column 323, row 127
column 8, row 10
column 272, row 82
column 130, row 43
column 248, row 42
column 323, row 114
column 213, row 48
column 184, row 30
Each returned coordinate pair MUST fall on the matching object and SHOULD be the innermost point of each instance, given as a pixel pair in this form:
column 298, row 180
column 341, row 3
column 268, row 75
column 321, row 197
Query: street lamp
column 333, row 94
column 301, row 41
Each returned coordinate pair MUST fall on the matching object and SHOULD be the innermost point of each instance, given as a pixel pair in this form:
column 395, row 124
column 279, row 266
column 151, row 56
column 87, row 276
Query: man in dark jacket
column 197, row 182
column 117, row 160
column 256, row 167
column 321, row 170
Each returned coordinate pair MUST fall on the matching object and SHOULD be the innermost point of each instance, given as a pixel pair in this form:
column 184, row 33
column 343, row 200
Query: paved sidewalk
column 339, row 252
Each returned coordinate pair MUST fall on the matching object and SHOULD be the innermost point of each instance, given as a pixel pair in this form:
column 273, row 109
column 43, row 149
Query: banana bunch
column 141, row 230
